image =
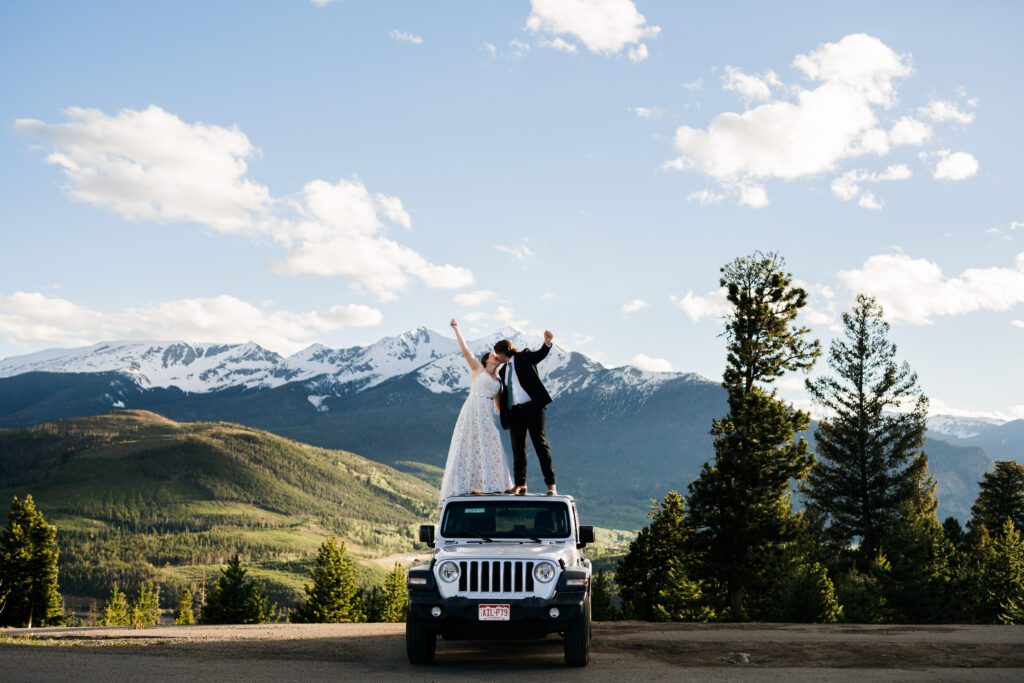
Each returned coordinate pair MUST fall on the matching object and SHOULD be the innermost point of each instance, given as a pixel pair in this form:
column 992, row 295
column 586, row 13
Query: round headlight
column 543, row 572
column 448, row 571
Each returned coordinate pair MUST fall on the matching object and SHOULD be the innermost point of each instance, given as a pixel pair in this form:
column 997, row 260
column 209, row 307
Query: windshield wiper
column 528, row 537
column 473, row 534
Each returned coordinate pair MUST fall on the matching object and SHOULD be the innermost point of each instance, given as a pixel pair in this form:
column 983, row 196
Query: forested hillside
column 136, row 496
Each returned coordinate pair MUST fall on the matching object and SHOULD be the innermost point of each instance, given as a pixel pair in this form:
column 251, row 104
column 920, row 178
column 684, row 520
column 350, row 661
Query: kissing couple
column 502, row 381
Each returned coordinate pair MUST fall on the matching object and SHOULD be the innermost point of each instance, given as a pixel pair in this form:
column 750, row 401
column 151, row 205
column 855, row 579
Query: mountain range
column 620, row 436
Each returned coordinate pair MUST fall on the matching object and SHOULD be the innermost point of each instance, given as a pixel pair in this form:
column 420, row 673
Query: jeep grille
column 497, row 578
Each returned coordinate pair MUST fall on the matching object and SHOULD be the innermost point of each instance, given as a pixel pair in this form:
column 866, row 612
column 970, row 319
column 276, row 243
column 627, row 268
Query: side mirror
column 427, row 534
column 586, row 536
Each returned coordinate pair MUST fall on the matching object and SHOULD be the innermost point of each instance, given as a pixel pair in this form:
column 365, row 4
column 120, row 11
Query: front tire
column 577, row 638
column 420, row 641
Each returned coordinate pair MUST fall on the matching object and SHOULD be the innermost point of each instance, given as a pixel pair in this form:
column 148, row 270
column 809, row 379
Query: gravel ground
column 620, row 651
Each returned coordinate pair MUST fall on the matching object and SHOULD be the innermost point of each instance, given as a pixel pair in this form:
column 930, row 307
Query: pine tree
column 739, row 506
column 601, row 598
column 865, row 450
column 1002, row 580
column 1001, row 497
column 917, row 586
column 680, row 597
column 394, row 596
column 642, row 573
column 145, row 610
column 116, row 610
column 333, row 596
column 184, row 614
column 235, row 598
column 968, row 571
column 28, row 568
column 862, row 593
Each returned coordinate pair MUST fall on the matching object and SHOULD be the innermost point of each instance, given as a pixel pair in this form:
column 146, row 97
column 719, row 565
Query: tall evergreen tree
column 1002, row 583
column 739, row 506
column 643, row 572
column 116, row 610
column 1001, row 497
column 28, row 568
column 333, row 596
column 235, row 598
column 917, row 587
column 184, row 614
column 601, row 598
column 394, row 596
column 865, row 469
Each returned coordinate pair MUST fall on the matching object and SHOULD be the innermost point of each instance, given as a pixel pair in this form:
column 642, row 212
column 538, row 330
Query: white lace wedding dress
column 476, row 458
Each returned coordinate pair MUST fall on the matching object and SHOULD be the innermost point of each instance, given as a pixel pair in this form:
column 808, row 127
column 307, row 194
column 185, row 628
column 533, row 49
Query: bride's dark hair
column 483, row 358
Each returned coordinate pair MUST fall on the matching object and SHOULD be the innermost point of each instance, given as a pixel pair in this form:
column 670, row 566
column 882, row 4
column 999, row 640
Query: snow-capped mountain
column 961, row 427
column 434, row 359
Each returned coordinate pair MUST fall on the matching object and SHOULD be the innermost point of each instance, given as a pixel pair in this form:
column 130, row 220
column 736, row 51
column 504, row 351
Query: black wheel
column 577, row 638
column 420, row 641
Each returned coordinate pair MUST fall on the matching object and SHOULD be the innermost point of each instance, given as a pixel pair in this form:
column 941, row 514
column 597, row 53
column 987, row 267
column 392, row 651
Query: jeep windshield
column 503, row 520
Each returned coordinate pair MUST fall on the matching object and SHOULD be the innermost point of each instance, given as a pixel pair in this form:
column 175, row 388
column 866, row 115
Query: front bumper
column 528, row 617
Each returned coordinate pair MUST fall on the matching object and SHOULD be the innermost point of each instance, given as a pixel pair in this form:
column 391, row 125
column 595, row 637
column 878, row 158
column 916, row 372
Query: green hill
column 139, row 497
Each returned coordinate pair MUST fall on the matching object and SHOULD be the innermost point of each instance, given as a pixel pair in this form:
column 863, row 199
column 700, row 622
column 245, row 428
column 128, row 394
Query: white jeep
column 504, row 566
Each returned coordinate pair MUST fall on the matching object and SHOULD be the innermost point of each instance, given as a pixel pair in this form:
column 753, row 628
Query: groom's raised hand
column 548, row 337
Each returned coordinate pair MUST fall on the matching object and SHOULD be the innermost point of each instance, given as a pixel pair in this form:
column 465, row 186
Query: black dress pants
column 528, row 418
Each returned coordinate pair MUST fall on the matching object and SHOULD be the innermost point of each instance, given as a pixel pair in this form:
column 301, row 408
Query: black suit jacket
column 526, row 371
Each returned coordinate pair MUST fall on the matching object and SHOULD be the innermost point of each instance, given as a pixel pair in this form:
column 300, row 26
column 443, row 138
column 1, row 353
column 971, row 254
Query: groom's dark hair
column 505, row 348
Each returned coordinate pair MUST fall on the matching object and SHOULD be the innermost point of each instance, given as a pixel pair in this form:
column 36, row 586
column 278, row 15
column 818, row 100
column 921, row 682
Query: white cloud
column 634, row 306
column 695, row 85
column 340, row 230
column 651, row 364
column 1018, row 324
column 520, row 252
column 954, row 166
column 151, row 165
column 474, row 298
column 605, row 27
column 937, row 406
column 582, row 339
column 909, row 131
column 869, row 201
column 560, row 45
column 648, row 112
column 321, row 3
column 916, row 290
column 1016, row 225
column 848, row 185
column 715, row 304
column 548, row 296
column 809, row 135
column 404, row 37
column 638, row 53
column 944, row 110
column 754, row 196
column 518, row 49
column 34, row 318
column 751, row 87
column 705, row 197
column 500, row 316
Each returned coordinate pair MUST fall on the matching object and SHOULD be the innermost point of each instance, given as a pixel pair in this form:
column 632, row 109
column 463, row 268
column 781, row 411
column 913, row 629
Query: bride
column 476, row 458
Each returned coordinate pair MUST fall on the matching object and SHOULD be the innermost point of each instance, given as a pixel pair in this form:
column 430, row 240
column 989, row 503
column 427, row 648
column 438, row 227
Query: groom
column 523, row 399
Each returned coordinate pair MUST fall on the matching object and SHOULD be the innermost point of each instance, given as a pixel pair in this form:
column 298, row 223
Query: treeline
column 867, row 547
column 30, row 592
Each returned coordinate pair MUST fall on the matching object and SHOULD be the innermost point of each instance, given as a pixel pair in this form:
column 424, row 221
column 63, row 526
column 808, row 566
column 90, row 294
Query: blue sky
column 288, row 172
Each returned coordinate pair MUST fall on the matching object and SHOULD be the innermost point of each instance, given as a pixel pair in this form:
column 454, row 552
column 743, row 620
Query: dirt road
column 621, row 651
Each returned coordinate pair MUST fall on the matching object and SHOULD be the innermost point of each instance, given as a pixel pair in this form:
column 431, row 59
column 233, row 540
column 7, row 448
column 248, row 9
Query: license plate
column 493, row 612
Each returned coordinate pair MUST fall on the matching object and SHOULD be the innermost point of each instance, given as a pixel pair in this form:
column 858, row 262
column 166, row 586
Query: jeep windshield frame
column 507, row 520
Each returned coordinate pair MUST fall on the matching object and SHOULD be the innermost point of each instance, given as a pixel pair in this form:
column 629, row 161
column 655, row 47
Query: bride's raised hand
column 455, row 324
